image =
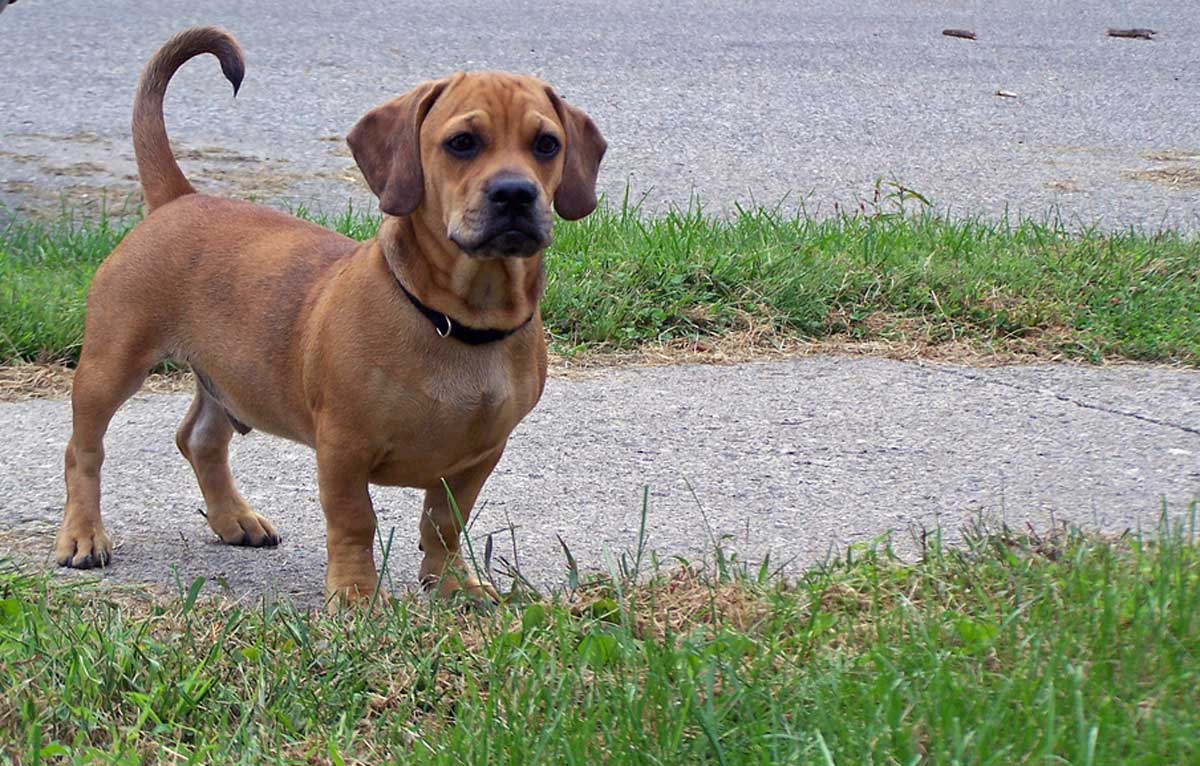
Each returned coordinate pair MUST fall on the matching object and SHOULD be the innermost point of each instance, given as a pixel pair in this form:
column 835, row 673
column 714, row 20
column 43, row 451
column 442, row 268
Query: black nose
column 512, row 195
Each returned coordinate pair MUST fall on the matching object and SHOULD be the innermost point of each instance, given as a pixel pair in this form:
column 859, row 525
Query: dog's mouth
column 506, row 238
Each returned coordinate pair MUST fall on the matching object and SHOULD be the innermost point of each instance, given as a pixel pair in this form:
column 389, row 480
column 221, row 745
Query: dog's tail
column 162, row 180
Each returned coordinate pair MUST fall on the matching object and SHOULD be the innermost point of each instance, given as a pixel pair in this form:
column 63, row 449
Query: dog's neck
column 500, row 293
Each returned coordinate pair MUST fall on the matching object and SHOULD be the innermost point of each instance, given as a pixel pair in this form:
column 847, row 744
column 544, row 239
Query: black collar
column 472, row 336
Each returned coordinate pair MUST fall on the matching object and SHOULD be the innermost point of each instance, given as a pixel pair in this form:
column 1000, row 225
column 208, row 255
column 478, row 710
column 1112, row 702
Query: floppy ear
column 387, row 147
column 576, row 194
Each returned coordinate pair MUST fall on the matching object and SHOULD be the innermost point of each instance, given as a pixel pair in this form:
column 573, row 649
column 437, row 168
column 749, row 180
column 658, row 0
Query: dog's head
column 481, row 157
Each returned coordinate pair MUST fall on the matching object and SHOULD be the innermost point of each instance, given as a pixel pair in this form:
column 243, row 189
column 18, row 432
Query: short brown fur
column 300, row 332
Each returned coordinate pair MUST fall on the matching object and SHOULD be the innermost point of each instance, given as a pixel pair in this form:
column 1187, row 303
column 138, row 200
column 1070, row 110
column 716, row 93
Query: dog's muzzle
column 515, row 224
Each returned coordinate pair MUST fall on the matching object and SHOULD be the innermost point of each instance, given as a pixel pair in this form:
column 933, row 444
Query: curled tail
column 162, row 180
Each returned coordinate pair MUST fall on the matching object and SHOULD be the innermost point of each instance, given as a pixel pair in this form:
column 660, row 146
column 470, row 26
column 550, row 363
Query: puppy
column 404, row 360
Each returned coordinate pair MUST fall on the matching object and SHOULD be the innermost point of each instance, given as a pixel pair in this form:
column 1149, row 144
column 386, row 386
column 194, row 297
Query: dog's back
column 191, row 260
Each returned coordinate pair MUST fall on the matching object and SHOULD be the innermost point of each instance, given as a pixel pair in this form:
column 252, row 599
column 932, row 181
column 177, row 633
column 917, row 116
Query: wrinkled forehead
column 495, row 98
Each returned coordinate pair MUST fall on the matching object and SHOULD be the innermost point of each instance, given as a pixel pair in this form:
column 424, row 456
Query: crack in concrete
column 1195, row 431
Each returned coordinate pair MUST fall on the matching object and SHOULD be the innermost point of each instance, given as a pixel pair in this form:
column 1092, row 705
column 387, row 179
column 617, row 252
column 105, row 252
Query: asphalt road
column 798, row 458
column 749, row 101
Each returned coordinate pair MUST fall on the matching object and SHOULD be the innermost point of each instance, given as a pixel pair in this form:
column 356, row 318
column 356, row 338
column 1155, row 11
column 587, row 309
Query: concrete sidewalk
column 798, row 457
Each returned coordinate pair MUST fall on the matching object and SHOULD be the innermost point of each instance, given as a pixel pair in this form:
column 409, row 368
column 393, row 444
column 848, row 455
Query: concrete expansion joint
column 966, row 375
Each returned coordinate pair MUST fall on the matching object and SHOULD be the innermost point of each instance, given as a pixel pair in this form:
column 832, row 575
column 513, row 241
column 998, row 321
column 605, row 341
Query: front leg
column 443, row 567
column 350, row 574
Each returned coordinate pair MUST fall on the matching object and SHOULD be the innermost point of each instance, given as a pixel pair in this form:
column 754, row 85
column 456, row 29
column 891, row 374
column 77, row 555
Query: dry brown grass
column 687, row 600
column 1178, row 169
column 1173, row 155
column 1178, row 176
column 906, row 340
column 30, row 380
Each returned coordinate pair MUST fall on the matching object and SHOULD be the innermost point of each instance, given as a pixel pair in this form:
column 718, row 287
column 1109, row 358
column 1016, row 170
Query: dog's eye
column 546, row 146
column 462, row 145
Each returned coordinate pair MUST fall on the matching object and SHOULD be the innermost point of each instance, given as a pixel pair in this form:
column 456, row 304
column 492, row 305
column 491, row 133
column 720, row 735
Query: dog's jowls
column 404, row 360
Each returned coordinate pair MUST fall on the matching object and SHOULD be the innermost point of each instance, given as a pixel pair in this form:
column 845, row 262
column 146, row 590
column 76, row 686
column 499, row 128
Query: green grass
column 621, row 279
column 1063, row 649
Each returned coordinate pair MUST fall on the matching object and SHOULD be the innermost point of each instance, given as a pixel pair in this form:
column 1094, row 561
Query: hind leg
column 101, row 386
column 203, row 438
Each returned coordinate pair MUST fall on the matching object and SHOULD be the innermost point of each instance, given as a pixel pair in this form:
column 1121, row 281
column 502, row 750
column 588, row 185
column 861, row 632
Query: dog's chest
column 475, row 400
column 454, row 421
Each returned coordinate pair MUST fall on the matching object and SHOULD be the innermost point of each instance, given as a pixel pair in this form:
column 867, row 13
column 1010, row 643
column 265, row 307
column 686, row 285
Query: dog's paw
column 480, row 591
column 82, row 548
column 457, row 585
column 356, row 597
column 247, row 528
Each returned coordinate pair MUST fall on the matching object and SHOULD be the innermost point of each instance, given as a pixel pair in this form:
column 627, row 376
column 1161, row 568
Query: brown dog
column 405, row 360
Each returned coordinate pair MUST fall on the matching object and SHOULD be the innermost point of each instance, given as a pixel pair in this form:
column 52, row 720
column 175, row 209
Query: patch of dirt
column 25, row 159
column 1178, row 169
column 79, row 137
column 682, row 602
column 24, row 537
column 1178, row 176
column 736, row 349
column 211, row 154
column 93, row 184
column 259, row 182
column 338, row 146
column 1173, row 155
column 350, row 175
column 53, row 381
column 45, row 201
column 256, row 183
column 231, row 172
column 1064, row 186
column 75, row 169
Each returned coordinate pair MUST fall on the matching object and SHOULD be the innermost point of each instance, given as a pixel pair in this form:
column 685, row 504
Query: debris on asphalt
column 1006, row 94
column 1136, row 34
column 965, row 34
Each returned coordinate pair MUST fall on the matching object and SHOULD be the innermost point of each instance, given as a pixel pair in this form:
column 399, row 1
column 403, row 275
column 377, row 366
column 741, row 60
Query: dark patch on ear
column 576, row 194
column 386, row 145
